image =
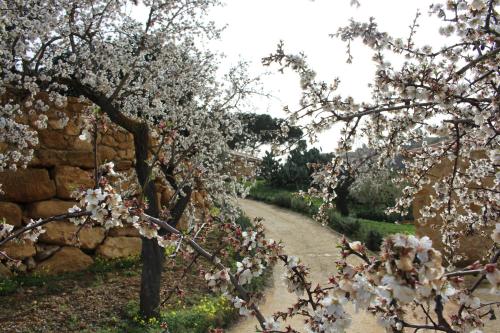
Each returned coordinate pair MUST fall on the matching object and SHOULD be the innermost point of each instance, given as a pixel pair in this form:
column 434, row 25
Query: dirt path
column 315, row 245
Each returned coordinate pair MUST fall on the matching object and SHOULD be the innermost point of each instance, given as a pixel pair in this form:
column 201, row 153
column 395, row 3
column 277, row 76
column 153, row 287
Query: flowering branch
column 212, row 259
column 37, row 224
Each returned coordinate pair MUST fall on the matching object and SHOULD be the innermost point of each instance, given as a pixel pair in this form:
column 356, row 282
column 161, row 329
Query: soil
column 87, row 301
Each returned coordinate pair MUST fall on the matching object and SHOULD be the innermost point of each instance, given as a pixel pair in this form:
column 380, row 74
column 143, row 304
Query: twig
column 493, row 260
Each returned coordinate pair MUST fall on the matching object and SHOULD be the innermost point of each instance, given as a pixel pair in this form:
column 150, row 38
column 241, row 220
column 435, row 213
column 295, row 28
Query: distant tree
column 372, row 193
column 269, row 166
column 346, row 179
column 260, row 129
column 296, row 172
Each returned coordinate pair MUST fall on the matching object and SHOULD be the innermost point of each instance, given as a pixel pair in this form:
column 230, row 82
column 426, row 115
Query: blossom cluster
column 257, row 253
column 407, row 275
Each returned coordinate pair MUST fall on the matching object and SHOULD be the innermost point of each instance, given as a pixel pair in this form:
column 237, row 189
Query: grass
column 208, row 312
column 368, row 231
column 266, row 192
column 386, row 228
column 101, row 266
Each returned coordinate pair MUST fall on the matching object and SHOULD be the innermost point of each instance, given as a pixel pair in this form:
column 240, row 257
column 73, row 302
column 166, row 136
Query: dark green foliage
column 313, row 209
column 269, row 166
column 371, row 194
column 342, row 190
column 243, row 221
column 7, row 286
column 377, row 214
column 295, row 173
column 261, row 129
column 207, row 313
column 283, row 200
column 102, row 265
column 364, row 230
column 263, row 192
column 373, row 240
column 347, row 226
column 300, row 205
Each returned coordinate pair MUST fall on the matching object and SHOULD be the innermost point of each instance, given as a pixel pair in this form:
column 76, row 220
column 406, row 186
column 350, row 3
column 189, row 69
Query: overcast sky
column 254, row 28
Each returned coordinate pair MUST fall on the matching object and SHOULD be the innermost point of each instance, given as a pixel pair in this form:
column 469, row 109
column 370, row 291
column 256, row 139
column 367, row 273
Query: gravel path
column 315, row 245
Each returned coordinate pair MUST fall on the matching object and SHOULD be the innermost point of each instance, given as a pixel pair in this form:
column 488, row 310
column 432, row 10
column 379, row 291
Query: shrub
column 343, row 224
column 376, row 214
column 209, row 313
column 313, row 209
column 373, row 240
column 282, row 200
column 300, row 205
column 243, row 221
column 7, row 286
column 350, row 226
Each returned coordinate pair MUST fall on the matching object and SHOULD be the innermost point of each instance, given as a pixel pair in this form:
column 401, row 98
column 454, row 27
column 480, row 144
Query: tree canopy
column 261, row 129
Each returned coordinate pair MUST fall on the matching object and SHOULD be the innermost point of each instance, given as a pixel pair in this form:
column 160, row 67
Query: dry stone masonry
column 63, row 163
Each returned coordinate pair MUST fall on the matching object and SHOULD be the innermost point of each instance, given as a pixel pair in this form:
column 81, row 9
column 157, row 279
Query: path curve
column 315, row 245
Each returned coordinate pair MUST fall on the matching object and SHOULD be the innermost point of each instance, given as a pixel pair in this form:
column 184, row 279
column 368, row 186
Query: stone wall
column 63, row 163
column 471, row 247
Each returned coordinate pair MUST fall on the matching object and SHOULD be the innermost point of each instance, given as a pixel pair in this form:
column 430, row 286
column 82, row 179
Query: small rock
column 64, row 233
column 52, row 139
column 106, row 153
column 48, row 208
column 70, row 178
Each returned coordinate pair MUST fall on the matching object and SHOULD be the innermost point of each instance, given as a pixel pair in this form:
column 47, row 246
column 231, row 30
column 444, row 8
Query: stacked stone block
column 62, row 163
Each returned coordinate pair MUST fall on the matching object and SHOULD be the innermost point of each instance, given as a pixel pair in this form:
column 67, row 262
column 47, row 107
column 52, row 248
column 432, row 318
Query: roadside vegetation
column 371, row 232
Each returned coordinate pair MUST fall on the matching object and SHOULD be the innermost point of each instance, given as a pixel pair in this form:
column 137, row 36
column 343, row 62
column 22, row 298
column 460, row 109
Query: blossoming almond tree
column 149, row 78
column 95, row 50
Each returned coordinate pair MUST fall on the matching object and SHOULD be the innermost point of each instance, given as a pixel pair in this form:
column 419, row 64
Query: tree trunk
column 341, row 202
column 342, row 198
column 152, row 254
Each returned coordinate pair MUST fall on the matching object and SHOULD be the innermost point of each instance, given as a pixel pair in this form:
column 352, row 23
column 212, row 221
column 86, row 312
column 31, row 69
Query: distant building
column 245, row 165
